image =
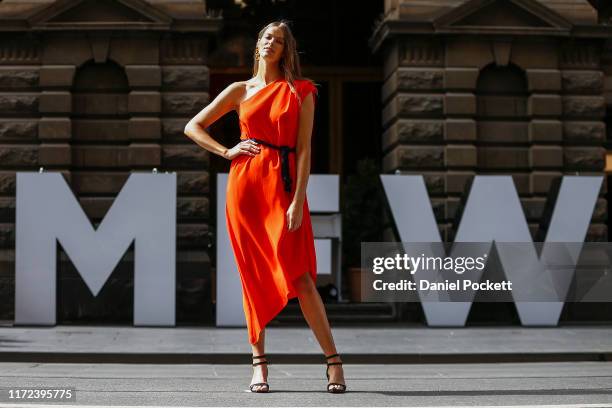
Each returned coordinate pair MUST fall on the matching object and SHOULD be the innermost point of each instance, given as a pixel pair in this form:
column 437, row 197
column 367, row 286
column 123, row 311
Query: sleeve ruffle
column 306, row 88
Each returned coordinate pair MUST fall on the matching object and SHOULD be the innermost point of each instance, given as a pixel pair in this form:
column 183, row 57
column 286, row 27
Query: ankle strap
column 262, row 356
column 336, row 363
column 261, row 362
column 332, row 356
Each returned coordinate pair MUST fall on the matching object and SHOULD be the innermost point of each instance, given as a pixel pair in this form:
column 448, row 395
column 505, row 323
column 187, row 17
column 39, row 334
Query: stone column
column 545, row 138
column 584, row 130
column 185, row 92
column 19, row 144
column 413, row 118
column 460, row 134
column 55, row 128
column 144, row 105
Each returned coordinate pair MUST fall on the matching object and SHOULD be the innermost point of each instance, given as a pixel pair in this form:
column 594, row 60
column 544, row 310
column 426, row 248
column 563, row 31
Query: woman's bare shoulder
column 237, row 87
column 245, row 85
column 235, row 91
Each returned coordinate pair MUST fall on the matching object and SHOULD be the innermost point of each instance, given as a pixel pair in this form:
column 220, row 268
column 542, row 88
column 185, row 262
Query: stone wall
column 433, row 125
column 19, row 143
column 584, row 127
column 96, row 138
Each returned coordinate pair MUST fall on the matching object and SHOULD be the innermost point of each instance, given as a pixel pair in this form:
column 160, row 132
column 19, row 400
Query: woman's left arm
column 306, row 119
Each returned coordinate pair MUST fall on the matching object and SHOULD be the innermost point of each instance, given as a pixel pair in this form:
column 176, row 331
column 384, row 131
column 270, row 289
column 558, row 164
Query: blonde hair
column 289, row 63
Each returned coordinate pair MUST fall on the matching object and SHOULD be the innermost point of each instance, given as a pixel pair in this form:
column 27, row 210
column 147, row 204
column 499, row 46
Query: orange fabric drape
column 268, row 256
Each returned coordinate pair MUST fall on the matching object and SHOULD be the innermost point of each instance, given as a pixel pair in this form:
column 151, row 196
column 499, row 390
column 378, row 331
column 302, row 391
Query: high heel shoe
column 333, row 387
column 263, row 386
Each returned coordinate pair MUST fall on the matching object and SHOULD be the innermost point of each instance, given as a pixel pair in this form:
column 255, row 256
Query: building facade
column 513, row 87
column 97, row 89
column 444, row 88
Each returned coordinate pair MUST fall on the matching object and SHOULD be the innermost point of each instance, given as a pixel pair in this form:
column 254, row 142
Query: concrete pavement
column 419, row 385
column 375, row 345
column 385, row 365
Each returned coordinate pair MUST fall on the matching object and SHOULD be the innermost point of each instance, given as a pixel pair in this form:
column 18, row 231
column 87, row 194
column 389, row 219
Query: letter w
column 493, row 212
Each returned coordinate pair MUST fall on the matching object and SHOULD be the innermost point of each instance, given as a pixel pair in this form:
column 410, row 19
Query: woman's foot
column 259, row 382
column 335, row 374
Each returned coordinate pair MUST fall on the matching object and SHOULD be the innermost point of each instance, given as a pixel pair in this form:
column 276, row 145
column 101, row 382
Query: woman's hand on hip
column 248, row 147
column 294, row 216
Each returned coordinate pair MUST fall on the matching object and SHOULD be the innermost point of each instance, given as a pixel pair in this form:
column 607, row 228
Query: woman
column 267, row 210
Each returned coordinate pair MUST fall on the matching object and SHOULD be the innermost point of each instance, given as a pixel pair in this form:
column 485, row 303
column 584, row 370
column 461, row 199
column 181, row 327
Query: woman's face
column 271, row 44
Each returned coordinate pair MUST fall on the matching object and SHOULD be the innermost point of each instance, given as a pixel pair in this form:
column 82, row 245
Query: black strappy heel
column 330, row 388
column 264, row 386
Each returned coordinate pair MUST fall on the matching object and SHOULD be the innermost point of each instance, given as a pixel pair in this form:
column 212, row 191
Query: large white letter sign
column 47, row 211
column 493, row 213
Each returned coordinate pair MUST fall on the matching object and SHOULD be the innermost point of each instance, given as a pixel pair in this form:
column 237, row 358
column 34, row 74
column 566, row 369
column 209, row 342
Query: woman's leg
column 260, row 372
column 314, row 313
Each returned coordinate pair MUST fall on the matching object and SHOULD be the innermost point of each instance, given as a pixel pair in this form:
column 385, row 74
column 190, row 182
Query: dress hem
column 286, row 299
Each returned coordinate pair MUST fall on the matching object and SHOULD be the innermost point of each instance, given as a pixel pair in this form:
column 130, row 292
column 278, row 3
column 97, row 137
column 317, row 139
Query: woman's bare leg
column 314, row 313
column 260, row 372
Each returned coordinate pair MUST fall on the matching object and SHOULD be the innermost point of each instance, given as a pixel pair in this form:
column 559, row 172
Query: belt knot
column 284, row 151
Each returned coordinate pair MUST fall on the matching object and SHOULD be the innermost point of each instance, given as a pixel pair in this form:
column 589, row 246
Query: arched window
column 502, row 92
column 100, row 90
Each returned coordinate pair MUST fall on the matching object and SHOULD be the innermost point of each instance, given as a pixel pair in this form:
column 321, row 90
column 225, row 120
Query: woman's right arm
column 226, row 101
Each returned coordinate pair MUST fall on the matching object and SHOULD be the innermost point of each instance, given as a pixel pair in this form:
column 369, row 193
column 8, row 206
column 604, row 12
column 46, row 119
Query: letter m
column 47, row 212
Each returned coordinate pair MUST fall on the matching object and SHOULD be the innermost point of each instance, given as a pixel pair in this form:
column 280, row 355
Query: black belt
column 284, row 155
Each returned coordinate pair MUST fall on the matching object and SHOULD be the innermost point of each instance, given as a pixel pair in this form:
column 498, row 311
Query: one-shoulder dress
column 260, row 189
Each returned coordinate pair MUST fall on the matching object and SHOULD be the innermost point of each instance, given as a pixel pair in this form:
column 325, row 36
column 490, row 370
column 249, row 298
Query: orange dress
column 260, row 189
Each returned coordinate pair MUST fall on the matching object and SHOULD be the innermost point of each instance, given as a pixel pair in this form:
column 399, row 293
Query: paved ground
column 509, row 384
column 385, row 366
column 382, row 344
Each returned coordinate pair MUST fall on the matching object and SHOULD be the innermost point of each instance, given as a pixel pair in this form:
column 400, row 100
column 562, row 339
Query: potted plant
column 361, row 218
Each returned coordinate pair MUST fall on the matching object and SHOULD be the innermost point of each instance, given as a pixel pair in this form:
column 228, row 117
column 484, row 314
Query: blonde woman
column 267, row 211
